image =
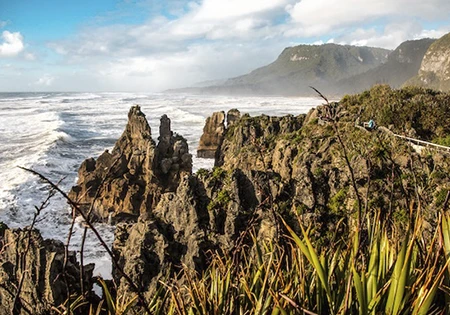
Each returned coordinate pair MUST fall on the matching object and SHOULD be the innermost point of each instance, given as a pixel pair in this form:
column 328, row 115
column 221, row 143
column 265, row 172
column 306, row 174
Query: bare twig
column 91, row 208
column 97, row 234
column 320, row 94
column 17, row 303
column 333, row 117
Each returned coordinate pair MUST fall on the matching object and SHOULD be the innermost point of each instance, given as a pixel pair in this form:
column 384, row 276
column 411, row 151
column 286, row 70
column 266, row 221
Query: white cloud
column 12, row 44
column 211, row 20
column 214, row 39
column 178, row 69
column 390, row 36
column 315, row 18
column 45, row 80
column 432, row 33
column 217, row 10
column 3, row 23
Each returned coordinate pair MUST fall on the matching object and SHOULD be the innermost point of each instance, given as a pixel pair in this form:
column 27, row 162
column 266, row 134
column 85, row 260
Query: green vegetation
column 221, row 201
column 202, row 172
column 218, row 173
column 377, row 276
column 336, row 203
column 442, row 141
column 441, row 196
column 424, row 113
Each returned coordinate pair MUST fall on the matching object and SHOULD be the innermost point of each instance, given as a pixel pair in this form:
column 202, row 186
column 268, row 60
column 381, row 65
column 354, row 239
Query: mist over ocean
column 53, row 133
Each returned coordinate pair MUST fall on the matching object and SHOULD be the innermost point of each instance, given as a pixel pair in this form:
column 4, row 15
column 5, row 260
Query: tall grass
column 380, row 276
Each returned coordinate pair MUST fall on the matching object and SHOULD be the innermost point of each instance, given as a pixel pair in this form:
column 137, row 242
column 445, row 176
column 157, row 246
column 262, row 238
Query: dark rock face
column 129, row 181
column 207, row 212
column 44, row 282
column 212, row 136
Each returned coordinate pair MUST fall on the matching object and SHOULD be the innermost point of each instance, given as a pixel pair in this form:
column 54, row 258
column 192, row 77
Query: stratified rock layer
column 24, row 254
column 129, row 181
column 212, row 136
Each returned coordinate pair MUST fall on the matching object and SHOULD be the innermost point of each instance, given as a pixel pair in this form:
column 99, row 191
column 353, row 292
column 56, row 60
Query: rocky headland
column 316, row 169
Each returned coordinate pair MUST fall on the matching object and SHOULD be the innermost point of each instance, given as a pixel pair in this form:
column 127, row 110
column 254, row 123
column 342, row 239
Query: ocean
column 53, row 133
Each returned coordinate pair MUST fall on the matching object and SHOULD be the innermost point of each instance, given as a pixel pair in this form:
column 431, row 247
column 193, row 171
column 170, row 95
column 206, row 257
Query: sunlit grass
column 377, row 276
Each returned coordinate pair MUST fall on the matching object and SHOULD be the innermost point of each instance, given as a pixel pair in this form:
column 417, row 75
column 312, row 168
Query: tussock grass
column 379, row 275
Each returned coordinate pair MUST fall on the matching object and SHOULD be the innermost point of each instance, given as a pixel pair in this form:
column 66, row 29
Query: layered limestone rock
column 214, row 131
column 25, row 256
column 267, row 168
column 129, row 181
column 212, row 136
column 207, row 213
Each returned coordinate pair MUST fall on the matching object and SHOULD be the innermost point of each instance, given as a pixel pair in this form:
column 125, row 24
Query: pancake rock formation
column 129, row 181
column 214, row 131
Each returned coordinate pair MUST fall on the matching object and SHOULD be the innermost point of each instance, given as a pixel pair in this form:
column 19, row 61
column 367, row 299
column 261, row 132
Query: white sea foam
column 54, row 132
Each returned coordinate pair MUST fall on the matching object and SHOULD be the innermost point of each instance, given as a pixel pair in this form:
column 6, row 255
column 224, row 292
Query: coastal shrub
column 336, row 204
column 440, row 197
column 202, row 172
column 424, row 110
column 442, row 141
column 375, row 277
column 221, row 201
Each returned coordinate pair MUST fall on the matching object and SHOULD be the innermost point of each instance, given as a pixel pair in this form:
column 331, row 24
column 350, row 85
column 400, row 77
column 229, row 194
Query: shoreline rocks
column 214, row 132
column 212, row 136
column 291, row 167
column 128, row 182
column 25, row 254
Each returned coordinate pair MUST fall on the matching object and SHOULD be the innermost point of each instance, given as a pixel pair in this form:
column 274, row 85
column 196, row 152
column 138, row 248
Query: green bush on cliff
column 221, row 201
column 442, row 141
column 337, row 202
column 441, row 195
column 424, row 110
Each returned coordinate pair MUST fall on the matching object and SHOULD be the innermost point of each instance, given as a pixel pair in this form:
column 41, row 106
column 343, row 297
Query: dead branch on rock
column 17, row 303
column 91, row 207
column 333, row 115
column 130, row 282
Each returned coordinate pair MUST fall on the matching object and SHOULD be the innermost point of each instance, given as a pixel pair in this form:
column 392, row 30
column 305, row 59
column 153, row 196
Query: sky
column 153, row 45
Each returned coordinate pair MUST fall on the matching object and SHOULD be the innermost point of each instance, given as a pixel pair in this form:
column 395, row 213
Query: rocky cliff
column 129, row 181
column 435, row 68
column 37, row 267
column 212, row 136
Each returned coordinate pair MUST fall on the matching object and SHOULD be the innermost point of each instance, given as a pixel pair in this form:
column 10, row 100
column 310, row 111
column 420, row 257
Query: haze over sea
column 53, row 133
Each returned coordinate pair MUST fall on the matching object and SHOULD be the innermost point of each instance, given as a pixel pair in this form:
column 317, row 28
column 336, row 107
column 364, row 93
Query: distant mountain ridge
column 298, row 67
column 402, row 64
column 342, row 69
